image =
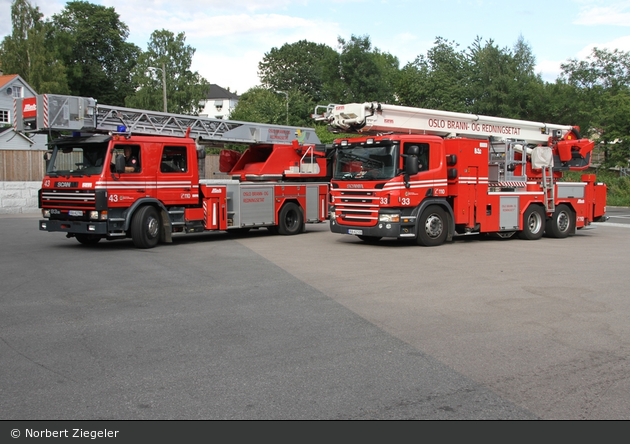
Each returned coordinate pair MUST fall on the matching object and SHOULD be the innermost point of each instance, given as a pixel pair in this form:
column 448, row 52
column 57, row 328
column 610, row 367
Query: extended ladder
column 48, row 112
column 375, row 118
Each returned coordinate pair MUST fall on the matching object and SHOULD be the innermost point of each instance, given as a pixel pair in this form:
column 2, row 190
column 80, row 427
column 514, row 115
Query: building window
column 17, row 92
column 4, row 116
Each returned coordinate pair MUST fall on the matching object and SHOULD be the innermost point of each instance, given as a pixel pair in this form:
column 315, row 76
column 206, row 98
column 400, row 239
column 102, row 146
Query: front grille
column 68, row 199
column 356, row 207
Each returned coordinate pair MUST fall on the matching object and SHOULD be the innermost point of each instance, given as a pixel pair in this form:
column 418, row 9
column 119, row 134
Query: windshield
column 81, row 159
column 366, row 163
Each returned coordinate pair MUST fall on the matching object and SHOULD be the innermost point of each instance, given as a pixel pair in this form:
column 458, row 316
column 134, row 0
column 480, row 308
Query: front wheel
column 432, row 227
column 290, row 219
column 533, row 223
column 145, row 227
column 561, row 223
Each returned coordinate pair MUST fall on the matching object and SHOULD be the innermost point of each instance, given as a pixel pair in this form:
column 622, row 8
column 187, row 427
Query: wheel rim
column 153, row 227
column 534, row 222
column 433, row 226
column 290, row 220
column 563, row 221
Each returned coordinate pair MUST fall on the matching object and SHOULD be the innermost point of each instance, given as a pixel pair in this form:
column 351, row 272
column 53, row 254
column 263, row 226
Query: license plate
column 355, row 231
column 75, row 213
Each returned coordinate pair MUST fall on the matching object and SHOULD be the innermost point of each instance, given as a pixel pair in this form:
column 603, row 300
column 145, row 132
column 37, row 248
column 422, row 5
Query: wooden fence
column 22, row 165
column 30, row 166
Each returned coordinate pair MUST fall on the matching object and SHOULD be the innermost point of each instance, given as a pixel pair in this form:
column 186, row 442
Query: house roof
column 6, row 80
column 216, row 92
column 10, row 133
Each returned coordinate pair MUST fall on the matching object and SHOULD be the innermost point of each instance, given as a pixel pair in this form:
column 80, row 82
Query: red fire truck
column 430, row 175
column 125, row 173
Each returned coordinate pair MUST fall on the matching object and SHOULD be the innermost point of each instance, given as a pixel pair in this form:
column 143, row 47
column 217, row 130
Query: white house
column 21, row 163
column 219, row 103
column 12, row 87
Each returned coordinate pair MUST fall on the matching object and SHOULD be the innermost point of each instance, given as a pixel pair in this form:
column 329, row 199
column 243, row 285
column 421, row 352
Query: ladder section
column 548, row 188
column 375, row 118
column 48, row 112
column 205, row 129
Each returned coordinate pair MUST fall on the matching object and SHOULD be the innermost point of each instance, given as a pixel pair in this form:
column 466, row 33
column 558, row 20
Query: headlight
column 93, row 215
column 389, row 218
column 46, row 214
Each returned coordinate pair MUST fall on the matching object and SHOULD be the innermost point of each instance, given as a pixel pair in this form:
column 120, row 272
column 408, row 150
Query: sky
column 232, row 37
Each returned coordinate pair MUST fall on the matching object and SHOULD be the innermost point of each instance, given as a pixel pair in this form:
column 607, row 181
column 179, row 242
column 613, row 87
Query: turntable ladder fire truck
column 430, row 175
column 92, row 191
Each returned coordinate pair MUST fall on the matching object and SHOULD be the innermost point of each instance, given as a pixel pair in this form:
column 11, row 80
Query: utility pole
column 163, row 69
column 287, row 96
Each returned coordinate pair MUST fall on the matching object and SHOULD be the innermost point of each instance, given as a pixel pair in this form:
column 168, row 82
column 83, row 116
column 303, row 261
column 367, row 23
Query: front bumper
column 382, row 229
column 73, row 226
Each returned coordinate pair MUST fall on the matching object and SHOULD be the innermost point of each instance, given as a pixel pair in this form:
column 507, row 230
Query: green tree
column 27, row 52
column 296, row 67
column 503, row 82
column 359, row 73
column 436, row 81
column 91, row 41
column 261, row 105
column 184, row 89
column 602, row 86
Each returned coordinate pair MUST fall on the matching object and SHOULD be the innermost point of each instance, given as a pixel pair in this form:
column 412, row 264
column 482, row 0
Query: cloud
column 238, row 73
column 549, row 70
column 617, row 14
column 622, row 44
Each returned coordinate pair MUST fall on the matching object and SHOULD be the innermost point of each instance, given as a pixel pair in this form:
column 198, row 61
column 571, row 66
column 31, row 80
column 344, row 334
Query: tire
column 533, row 223
column 432, row 227
column 561, row 223
column 88, row 239
column 145, row 227
column 290, row 219
column 369, row 239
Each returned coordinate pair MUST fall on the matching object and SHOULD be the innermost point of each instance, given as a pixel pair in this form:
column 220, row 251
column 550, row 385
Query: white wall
column 19, row 197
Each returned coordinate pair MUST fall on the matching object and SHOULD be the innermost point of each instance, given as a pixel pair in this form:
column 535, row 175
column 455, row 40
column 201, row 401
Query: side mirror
column 411, row 166
column 120, row 163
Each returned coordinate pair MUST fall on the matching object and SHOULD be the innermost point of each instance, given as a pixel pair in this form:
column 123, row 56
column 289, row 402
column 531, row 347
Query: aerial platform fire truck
column 431, row 175
column 127, row 173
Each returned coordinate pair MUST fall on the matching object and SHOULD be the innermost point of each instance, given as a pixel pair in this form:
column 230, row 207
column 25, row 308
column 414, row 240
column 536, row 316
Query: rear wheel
column 561, row 223
column 290, row 219
column 432, row 227
column 145, row 227
column 533, row 223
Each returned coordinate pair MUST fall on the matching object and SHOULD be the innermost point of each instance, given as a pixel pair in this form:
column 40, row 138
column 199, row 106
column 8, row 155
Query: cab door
column 134, row 183
column 176, row 178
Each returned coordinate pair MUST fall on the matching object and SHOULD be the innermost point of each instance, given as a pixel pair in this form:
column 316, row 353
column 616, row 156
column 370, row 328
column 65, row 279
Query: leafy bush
column 618, row 187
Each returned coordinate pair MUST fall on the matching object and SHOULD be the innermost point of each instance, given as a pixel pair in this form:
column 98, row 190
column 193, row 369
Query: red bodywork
column 460, row 180
column 267, row 182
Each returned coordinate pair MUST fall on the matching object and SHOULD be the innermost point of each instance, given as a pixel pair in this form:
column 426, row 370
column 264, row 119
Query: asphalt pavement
column 313, row 326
